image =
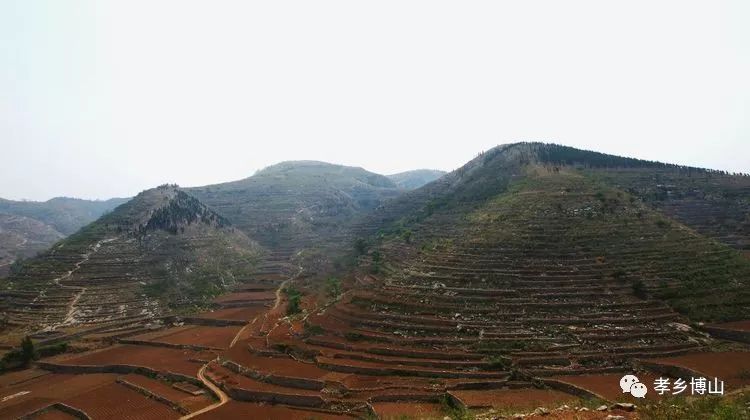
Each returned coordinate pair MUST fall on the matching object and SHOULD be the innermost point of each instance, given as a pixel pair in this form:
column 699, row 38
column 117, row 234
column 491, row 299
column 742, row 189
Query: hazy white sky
column 102, row 99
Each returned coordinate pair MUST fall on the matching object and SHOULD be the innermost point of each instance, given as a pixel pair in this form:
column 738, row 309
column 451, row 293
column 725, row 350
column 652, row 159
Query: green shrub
column 352, row 336
column 53, row 349
column 294, row 298
column 500, row 362
column 333, row 287
column 639, row 289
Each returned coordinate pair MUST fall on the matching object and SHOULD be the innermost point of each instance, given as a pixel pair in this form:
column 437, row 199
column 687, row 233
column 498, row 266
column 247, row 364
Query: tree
column 28, row 353
column 360, row 246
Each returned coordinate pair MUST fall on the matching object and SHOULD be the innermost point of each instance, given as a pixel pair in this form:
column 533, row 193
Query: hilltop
column 160, row 251
column 410, row 180
column 302, row 204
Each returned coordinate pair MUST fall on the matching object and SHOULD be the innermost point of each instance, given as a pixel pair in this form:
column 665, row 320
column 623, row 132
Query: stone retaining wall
column 287, row 381
column 727, row 334
column 168, row 345
column 79, row 414
column 242, row 394
column 570, row 389
column 121, row 369
column 173, row 405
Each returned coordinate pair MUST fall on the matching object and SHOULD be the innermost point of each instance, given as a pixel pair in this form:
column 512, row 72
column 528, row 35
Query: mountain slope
column 300, row 204
column 414, row 179
column 562, row 200
column 520, row 265
column 159, row 250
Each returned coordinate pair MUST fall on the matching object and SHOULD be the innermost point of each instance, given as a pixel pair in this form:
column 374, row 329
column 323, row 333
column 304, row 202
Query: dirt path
column 70, row 316
column 283, row 285
column 223, row 397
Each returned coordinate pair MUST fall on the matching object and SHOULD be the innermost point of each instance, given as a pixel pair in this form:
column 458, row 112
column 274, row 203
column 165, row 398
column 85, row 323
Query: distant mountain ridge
column 28, row 227
column 414, row 179
column 298, row 203
column 64, row 214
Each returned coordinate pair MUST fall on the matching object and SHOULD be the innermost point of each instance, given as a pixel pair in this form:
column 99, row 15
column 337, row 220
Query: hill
column 414, row 179
column 65, row 215
column 569, row 201
column 23, row 237
column 302, row 204
column 534, row 276
column 29, row 227
column 160, row 251
column 527, row 271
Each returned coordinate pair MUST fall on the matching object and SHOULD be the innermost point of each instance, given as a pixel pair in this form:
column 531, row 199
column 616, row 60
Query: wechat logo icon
column 631, row 385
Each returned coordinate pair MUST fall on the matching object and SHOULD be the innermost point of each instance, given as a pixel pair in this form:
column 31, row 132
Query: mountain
column 533, row 266
column 28, row 227
column 23, row 237
column 65, row 215
column 293, row 205
column 553, row 201
column 533, row 274
column 414, row 179
column 159, row 251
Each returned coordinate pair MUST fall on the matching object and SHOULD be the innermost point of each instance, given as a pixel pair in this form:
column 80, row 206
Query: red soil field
column 221, row 374
column 245, row 410
column 13, row 378
column 273, row 365
column 54, row 414
column 96, row 394
column 736, row 325
column 521, row 399
column 235, row 314
column 400, row 410
column 157, row 358
column 163, row 389
column 48, row 389
column 246, row 296
column 115, row 401
column 730, row 367
column 608, row 385
column 200, row 335
column 152, row 335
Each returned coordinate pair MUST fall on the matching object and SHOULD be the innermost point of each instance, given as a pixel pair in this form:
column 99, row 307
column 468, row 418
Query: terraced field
column 141, row 368
column 513, row 284
column 715, row 205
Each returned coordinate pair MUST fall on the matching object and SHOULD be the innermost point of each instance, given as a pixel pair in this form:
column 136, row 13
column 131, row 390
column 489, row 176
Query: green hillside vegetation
column 551, row 200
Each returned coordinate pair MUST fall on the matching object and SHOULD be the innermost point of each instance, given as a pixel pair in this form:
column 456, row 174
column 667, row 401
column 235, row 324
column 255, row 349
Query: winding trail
column 223, row 397
column 70, row 316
